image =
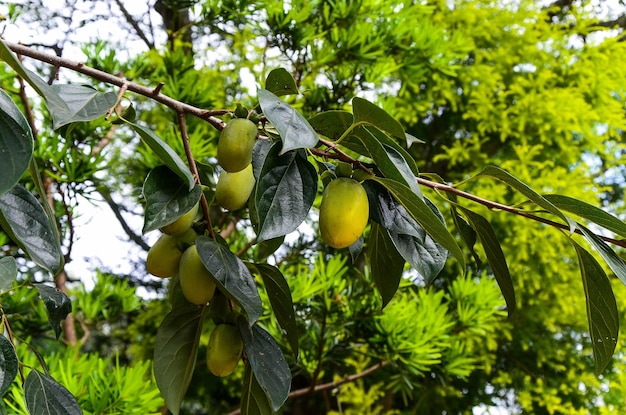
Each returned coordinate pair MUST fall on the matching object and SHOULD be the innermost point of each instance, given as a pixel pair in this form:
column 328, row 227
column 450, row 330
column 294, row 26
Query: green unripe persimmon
column 183, row 223
column 196, row 282
column 164, row 256
column 344, row 212
column 224, row 350
column 234, row 148
column 234, row 189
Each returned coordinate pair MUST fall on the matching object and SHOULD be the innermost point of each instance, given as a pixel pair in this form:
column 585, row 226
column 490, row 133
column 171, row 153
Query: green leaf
column 231, row 275
column 45, row 396
column 58, row 305
column 365, row 111
column 264, row 249
column 285, row 192
column 16, row 143
column 332, row 124
column 388, row 212
column 8, row 365
column 468, row 234
column 267, row 362
column 23, row 216
column 8, row 272
column 589, row 212
column 602, row 312
column 279, row 294
column 41, row 87
column 295, row 131
column 167, row 198
column 280, row 82
column 82, row 103
column 386, row 264
column 495, row 256
column 253, row 398
column 166, row 154
column 424, row 216
column 614, row 261
column 175, row 353
column 524, row 189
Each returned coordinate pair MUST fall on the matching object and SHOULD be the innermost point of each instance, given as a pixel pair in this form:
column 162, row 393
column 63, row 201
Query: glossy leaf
column 385, row 139
column 45, row 396
column 82, row 103
column 424, row 216
column 279, row 294
column 8, row 365
column 231, row 275
column 8, row 272
column 332, row 124
column 295, row 131
column 264, row 249
column 253, row 398
column 284, row 194
column 365, row 111
column 495, row 257
column 388, row 212
column 468, row 234
column 589, row 212
column 22, row 215
column 614, row 261
column 16, row 143
column 58, row 305
column 166, row 154
column 602, row 312
column 267, row 362
column 167, row 198
column 280, row 82
column 386, row 264
column 175, row 353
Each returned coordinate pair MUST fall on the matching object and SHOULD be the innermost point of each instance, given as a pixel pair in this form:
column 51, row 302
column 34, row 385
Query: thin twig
column 120, row 95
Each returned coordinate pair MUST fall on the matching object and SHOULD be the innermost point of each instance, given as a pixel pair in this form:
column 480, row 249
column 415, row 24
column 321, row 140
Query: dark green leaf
column 45, row 396
column 468, row 234
column 259, row 154
column 166, row 154
column 16, row 143
column 295, row 131
column 8, row 365
column 280, row 82
column 175, row 353
column 589, row 212
column 25, row 218
column 389, row 142
column 167, row 198
column 524, row 189
column 8, row 272
column 82, row 103
column 58, row 305
column 267, row 362
column 231, row 275
column 264, row 249
column 253, row 398
column 279, row 295
column 365, row 111
column 284, row 193
column 332, row 124
column 602, row 312
column 388, row 212
column 495, row 256
column 424, row 216
column 386, row 264
column 613, row 260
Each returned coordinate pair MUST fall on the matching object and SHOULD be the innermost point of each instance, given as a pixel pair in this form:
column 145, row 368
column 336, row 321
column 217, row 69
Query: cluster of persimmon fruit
column 343, row 216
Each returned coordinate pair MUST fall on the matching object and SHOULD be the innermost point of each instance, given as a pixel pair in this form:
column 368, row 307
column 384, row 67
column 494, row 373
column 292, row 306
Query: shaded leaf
column 332, row 124
column 253, row 398
column 495, row 257
column 614, row 261
column 267, row 362
column 166, row 154
column 284, row 193
column 383, row 138
column 589, row 212
column 231, row 275
column 264, row 249
column 167, row 198
column 58, row 305
column 602, row 311
column 45, row 396
column 22, row 215
column 175, row 353
column 280, row 82
column 16, row 143
column 8, row 272
column 365, row 111
column 468, row 234
column 295, row 131
column 82, row 103
column 386, row 264
column 388, row 212
column 8, row 365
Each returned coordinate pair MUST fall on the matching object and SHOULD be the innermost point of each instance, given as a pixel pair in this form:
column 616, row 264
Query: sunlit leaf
column 82, row 103
column 8, row 365
column 58, row 305
column 614, row 261
column 16, row 143
column 280, row 82
column 386, row 264
column 45, row 396
column 365, row 111
column 589, row 212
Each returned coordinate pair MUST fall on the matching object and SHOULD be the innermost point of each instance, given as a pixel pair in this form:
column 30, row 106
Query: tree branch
column 131, row 20
column 116, row 211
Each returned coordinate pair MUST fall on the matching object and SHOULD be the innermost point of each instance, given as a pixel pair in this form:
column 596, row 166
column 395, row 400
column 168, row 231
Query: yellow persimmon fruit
column 234, row 189
column 183, row 223
column 234, row 148
column 164, row 256
column 224, row 350
column 344, row 212
column 196, row 282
